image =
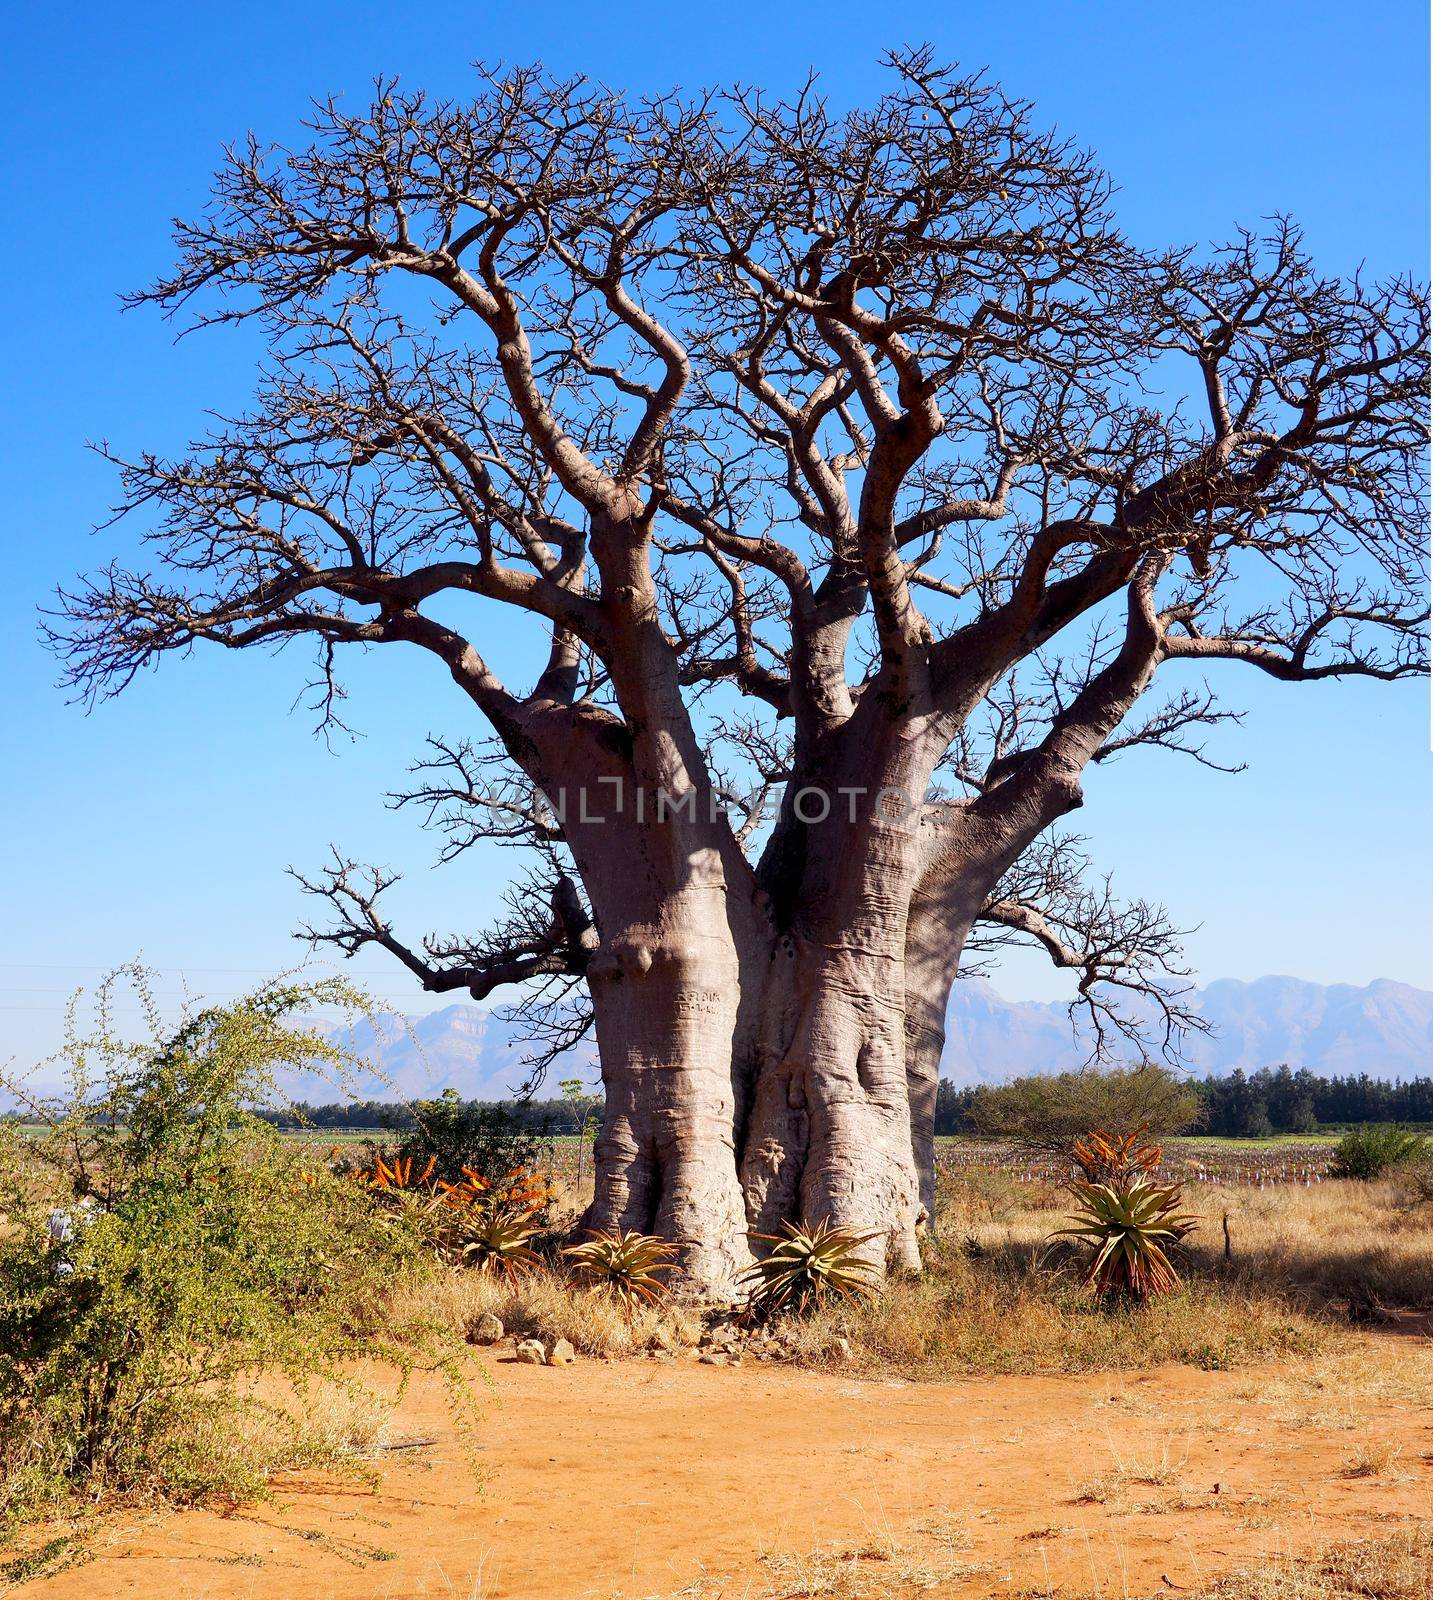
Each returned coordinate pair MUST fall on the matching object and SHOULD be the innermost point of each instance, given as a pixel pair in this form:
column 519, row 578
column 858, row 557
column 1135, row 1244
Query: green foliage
column 581, row 1102
column 630, row 1265
column 1047, row 1115
column 807, row 1267
column 1283, row 1100
column 545, row 1118
column 1375, row 1149
column 458, row 1135
column 160, row 1246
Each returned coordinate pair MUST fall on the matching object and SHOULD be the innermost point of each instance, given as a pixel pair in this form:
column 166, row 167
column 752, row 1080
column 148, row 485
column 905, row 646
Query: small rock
column 531, row 1351
column 712, row 1358
column 486, row 1329
column 562, row 1354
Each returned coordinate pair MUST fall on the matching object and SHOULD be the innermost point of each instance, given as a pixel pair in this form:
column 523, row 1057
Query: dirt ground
column 639, row 1478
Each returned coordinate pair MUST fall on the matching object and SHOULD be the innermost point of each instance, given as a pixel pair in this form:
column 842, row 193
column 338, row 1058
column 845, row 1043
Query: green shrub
column 1047, row 1115
column 458, row 1135
column 1375, row 1148
column 176, row 1292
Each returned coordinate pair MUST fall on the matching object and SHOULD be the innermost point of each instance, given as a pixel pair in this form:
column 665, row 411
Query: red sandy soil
column 638, row 1479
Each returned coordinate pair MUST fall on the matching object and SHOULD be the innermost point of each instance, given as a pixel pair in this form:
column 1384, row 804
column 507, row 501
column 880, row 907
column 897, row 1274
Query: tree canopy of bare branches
column 853, row 461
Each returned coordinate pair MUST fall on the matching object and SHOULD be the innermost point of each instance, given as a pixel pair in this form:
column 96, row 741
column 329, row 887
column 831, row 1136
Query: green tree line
column 1241, row 1105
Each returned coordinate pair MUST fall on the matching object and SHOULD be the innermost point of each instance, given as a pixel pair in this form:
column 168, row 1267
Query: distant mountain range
column 1384, row 1029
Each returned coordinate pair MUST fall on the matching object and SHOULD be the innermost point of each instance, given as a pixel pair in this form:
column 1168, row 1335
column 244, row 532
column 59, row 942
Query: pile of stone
column 726, row 1340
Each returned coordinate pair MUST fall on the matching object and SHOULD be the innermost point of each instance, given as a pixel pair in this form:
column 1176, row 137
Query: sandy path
column 636, row 1479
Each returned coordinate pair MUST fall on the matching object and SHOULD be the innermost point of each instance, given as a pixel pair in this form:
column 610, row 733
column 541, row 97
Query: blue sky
column 161, row 824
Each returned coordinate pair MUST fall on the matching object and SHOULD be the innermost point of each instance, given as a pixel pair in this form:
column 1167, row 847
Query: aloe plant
column 496, row 1242
column 627, row 1264
column 1130, row 1225
column 807, row 1265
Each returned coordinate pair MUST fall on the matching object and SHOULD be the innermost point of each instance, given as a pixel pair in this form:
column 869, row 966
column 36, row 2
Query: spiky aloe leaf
column 628, row 1264
column 1130, row 1225
column 807, row 1265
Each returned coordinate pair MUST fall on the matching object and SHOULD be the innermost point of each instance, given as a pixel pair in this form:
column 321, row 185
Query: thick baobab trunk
column 675, row 1001
column 667, row 1013
column 672, row 999
column 830, row 1134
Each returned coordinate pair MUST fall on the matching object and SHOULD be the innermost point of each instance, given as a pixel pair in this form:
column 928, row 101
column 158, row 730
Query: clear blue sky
column 161, row 825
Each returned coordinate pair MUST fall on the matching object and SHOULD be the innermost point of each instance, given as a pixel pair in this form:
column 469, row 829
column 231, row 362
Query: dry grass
column 1396, row 1568
column 1336, row 1244
column 548, row 1306
column 849, row 1573
column 1399, row 1567
column 1372, row 1459
column 1334, row 1393
column 1323, row 1245
column 1128, row 1472
column 1308, row 1264
column 883, row 1563
column 981, row 1319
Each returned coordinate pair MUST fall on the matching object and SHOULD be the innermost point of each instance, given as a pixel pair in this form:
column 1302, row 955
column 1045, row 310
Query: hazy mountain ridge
column 1383, row 1028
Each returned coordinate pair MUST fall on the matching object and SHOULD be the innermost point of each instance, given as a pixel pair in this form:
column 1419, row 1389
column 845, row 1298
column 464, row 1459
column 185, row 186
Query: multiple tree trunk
column 770, row 1032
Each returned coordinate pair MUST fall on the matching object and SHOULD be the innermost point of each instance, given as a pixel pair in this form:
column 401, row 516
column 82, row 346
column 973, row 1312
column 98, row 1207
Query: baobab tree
column 857, row 460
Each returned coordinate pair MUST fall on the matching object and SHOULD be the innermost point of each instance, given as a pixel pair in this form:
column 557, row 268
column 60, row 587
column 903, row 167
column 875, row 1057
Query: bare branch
column 528, row 944
column 1116, row 949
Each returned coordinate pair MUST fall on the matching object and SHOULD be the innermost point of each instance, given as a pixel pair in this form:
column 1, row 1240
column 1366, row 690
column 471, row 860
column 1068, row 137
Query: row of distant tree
column 1283, row 1101
column 552, row 1117
column 1241, row 1105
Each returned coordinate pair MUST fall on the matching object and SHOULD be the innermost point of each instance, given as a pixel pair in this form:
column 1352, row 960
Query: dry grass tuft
column 882, row 1565
column 1396, row 1568
column 1127, row 1473
column 1371, row 1459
